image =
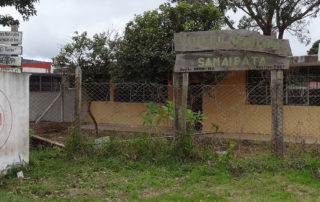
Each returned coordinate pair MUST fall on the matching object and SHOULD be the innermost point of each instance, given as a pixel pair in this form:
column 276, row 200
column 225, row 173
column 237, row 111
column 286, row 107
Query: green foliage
column 24, row 7
column 314, row 49
column 149, row 170
column 94, row 55
column 156, row 115
column 146, row 51
column 183, row 144
column 77, row 144
column 274, row 15
column 215, row 126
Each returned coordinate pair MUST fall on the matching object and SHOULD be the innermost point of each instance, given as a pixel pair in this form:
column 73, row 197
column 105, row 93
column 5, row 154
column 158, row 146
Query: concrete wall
column 39, row 101
column 230, row 111
column 119, row 113
column 14, row 123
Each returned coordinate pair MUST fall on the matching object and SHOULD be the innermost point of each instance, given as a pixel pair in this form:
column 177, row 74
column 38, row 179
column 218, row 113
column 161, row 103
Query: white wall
column 14, row 119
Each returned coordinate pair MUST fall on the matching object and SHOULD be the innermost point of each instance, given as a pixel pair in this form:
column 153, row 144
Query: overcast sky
column 46, row 33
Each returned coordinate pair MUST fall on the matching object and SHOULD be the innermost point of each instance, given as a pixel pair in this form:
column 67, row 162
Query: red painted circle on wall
column 6, row 119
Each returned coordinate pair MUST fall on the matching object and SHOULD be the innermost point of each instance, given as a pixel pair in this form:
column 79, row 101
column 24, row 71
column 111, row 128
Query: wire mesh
column 230, row 108
column 239, row 109
column 51, row 108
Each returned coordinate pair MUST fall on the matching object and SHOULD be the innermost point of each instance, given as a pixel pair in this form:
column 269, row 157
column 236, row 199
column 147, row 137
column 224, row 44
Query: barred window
column 301, row 86
column 141, row 93
column 44, row 83
column 258, row 87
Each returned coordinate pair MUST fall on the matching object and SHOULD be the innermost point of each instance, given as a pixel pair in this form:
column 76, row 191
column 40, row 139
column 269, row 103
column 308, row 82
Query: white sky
column 46, row 33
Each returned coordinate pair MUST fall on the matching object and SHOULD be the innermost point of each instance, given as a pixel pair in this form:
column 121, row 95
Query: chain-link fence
column 230, row 109
column 120, row 106
column 51, row 107
column 237, row 107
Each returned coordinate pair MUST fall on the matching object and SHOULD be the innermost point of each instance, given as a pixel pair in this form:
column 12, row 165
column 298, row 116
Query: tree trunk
column 93, row 118
column 281, row 32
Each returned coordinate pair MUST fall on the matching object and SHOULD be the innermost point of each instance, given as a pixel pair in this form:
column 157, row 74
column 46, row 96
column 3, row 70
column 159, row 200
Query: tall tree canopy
column 271, row 15
column 24, row 7
column 94, row 55
column 314, row 49
column 146, row 52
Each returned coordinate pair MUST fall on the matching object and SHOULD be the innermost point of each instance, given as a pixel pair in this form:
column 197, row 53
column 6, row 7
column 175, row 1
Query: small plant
column 215, row 126
column 158, row 114
column 77, row 144
column 183, row 144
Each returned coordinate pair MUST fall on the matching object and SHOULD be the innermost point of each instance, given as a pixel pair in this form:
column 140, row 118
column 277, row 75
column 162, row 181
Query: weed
column 156, row 115
column 149, row 169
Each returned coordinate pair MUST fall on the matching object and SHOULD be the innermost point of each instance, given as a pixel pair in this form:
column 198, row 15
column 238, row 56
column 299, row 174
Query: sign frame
column 228, row 61
column 233, row 40
column 196, row 52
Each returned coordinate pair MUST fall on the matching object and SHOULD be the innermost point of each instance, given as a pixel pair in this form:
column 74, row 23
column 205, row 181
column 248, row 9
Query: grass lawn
column 52, row 176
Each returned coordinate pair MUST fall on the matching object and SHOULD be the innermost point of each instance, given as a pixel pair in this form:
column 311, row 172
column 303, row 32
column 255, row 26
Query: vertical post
column 185, row 86
column 15, row 28
column 77, row 102
column 319, row 53
column 277, row 112
column 111, row 92
column 176, row 100
column 62, row 86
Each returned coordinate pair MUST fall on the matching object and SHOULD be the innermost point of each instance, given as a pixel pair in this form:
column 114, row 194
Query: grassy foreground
column 52, row 175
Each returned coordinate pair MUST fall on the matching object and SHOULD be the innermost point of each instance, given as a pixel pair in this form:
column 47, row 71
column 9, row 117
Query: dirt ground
column 245, row 145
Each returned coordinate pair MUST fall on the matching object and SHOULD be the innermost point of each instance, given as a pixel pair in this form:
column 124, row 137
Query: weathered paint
column 10, row 60
column 14, row 125
column 7, row 37
column 10, row 50
column 231, row 40
column 229, row 50
column 229, row 61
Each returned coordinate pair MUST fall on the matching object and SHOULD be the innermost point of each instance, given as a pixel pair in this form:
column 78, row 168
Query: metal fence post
column 62, row 86
column 77, row 110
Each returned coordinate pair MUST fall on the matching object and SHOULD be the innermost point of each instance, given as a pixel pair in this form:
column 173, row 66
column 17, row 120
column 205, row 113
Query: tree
column 222, row 6
column 271, row 16
column 314, row 49
column 24, row 7
column 275, row 15
column 94, row 55
column 146, row 52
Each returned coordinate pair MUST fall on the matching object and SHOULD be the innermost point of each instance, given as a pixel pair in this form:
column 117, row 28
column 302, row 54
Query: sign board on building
column 228, row 61
column 10, row 50
column 13, row 38
column 10, row 60
column 229, row 50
